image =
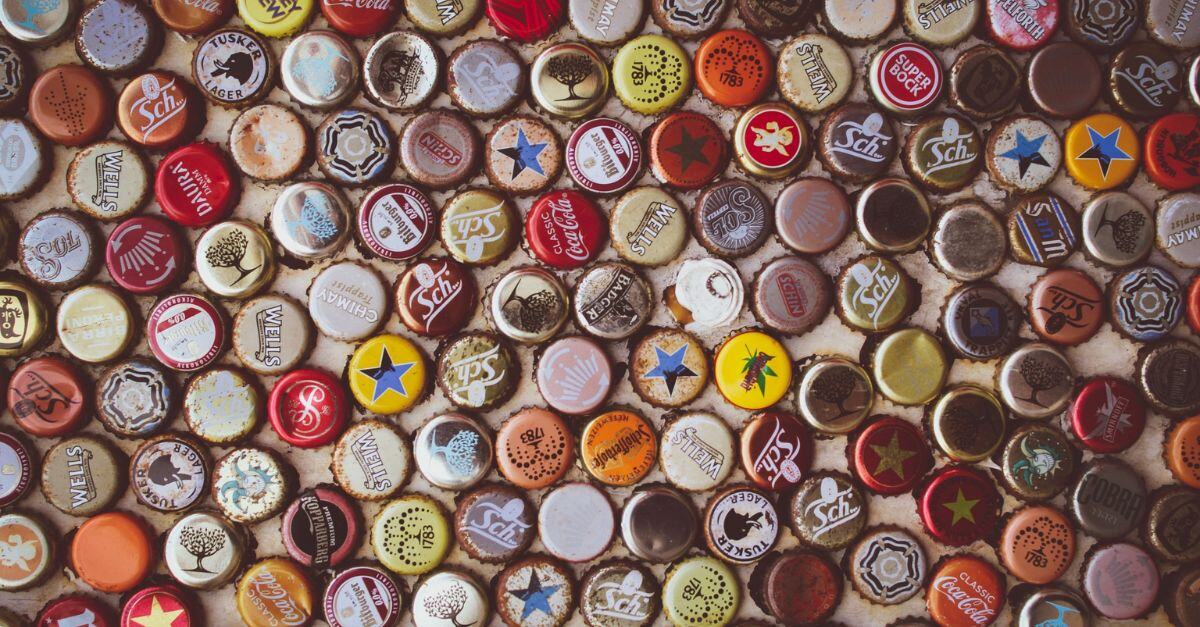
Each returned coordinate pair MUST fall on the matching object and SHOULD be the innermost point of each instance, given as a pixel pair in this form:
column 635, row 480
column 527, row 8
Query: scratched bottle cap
column 396, row 221
column 192, row 18
column 612, row 301
column 146, row 255
column 1108, row 500
column 1101, row 151
column 981, row 321
column 360, row 19
column 959, row 505
column 522, row 155
column 733, row 67
column 453, row 451
column 321, row 528
column 1145, row 303
column 887, row 565
column 864, row 22
column 24, row 157
column 1180, row 601
column 275, row 18
column 430, row 593
column 835, row 395
column 732, row 218
column 528, row 305
column 477, row 370
column 658, row 524
column 319, row 68
column 534, row 448
column 619, row 592
column 47, row 396
column 905, row 78
column 874, row 294
column 697, row 451
column 402, row 68
column 235, row 259
column 1176, row 217
column 812, row 215
column 159, row 110
column 268, row 142
column 574, row 375
column 827, row 511
column 940, row 24
column 668, row 368
column 477, row 226
column 37, row 557
column 195, row 186
column 1042, row 230
column 1181, row 451
column 950, row 600
column 1168, row 376
column 159, row 603
column 38, row 26
column 371, row 460
column 275, row 590
column 387, row 360
column 70, row 104
column 776, row 450
column 439, row 148
column 72, row 605
column 968, row 242
column 1120, row 580
column 1023, row 153
column 1035, row 381
column 683, row 606
column 648, row 226
column 398, row 522
column 495, row 523
column 791, row 295
column 1168, row 23
column 16, row 468
column 354, row 147
column 435, row 296
column 169, row 473
column 1107, row 415
column 967, row 423
column 606, row 22
column 618, row 448
column 1168, row 531
column 984, row 82
column 740, row 524
column 250, row 484
column 1065, row 307
column 570, row 79
column 259, row 331
column 892, row 215
column 910, row 366
column 943, row 153
column 82, row 475
column 1063, row 81
column 185, row 332
column 1101, row 27
column 94, row 323
column 771, row 141
column 576, row 522
column 651, row 74
column 889, row 455
column 814, row 73
column 707, row 294
column 1169, row 164
column 1037, row 544
column 855, row 143
column 485, row 78
column 204, row 550
column 307, row 407
column 117, row 36
column 348, row 301
column 688, row 21
column 687, row 150
column 1020, row 27
column 604, row 156
column 135, row 398
column 27, row 313
column 1145, row 80
column 310, row 220
column 221, row 406
column 58, row 249
column 108, row 180
column 363, row 593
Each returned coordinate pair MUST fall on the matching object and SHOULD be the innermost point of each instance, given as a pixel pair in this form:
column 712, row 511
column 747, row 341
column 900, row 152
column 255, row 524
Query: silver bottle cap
column 319, row 69
column 402, row 70
column 453, row 451
column 658, row 524
column 529, row 305
column 311, row 220
column 38, row 23
column 203, row 550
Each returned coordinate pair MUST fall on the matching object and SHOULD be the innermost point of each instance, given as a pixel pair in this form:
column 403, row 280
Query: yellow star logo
column 157, row 616
column 962, row 508
column 892, row 456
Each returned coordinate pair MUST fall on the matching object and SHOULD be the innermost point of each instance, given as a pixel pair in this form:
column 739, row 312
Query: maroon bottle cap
column 321, row 528
column 195, row 186
column 162, row 606
column 47, row 396
column 1173, row 151
column 76, row 609
column 777, row 450
column 688, row 150
column 435, row 296
column 363, row 591
column 308, row 407
column 526, row 20
column 185, row 332
column 17, row 463
column 1021, row 25
column 604, row 156
column 396, row 221
column 1108, row 415
column 564, row 229
column 890, row 456
column 360, row 18
column 145, row 254
column 959, row 506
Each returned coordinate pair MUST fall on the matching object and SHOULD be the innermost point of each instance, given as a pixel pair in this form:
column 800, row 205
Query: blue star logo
column 535, row 596
column 387, row 376
column 670, row 367
column 524, row 154
column 1027, row 152
column 1104, row 149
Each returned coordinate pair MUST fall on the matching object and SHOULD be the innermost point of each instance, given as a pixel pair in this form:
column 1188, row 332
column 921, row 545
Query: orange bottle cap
column 618, row 448
column 965, row 591
column 733, row 68
column 1183, row 452
column 1037, row 544
column 534, row 448
column 112, row 552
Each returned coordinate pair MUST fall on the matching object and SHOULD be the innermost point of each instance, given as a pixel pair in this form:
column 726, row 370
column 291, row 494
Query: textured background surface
column 1106, row 353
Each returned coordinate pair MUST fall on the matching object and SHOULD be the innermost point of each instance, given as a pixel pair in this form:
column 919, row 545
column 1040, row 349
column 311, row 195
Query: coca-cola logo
column 366, row 5
column 977, row 604
column 562, row 223
column 274, row 599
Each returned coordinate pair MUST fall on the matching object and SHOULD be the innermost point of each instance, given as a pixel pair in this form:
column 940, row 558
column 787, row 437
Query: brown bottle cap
column 192, row 17
column 158, row 109
column 71, row 105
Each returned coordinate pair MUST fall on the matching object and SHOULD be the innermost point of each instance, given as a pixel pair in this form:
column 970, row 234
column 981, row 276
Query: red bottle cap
column 604, row 156
column 1013, row 24
column 777, row 450
column 75, row 609
column 160, row 606
column 360, row 18
column 906, row 78
column 321, row 528
column 526, row 20
column 396, row 221
column 308, row 407
column 195, row 186
column 185, row 332
column 46, row 396
column 890, row 456
column 1108, row 415
column 1193, row 304
column 145, row 254
column 688, row 150
column 965, row 591
column 1172, row 151
column 564, row 229
column 959, row 506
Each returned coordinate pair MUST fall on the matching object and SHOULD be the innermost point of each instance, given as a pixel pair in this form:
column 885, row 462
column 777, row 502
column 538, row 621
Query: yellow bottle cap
column 387, row 374
column 94, row 323
column 1102, row 151
column 22, row 319
column 275, row 591
column 275, row 18
column 753, row 370
column 910, row 367
column 235, row 259
column 701, row 591
column 651, row 74
column 411, row 535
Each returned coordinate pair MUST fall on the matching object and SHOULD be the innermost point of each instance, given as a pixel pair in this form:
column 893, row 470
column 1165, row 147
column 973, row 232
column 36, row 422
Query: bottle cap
column 275, row 18
column 439, row 148
column 430, row 591
column 682, row 606
column 269, row 142
column 250, row 484
column 668, row 368
column 771, row 141
column 92, row 550
column 776, row 450
column 1035, row 381
column 117, row 36
column 687, row 150
column 707, row 294
column 890, row 456
column 320, row 69
column 457, row 432
column 360, row 19
column 733, row 67
column 445, row 19
column 1182, row 451
column 1042, row 230
column 16, row 468
column 574, row 375
column 195, row 186
column 619, row 589
column 39, row 26
column 658, row 524
column 534, row 448
column 1120, row 580
column 94, row 323
column 308, row 408
column 856, row 142
column 394, row 526
column 732, row 218
column 522, row 155
column 812, row 216
column 274, row 590
column 485, row 78
column 828, row 511
column 1102, row 151
column 606, row 23
column 363, row 593
column 36, row 557
column 1108, row 500
column 1023, row 153
column 348, row 301
column 1107, row 415
column 477, row 227
column 1037, row 544
column 752, row 370
column 940, row 24
column 203, row 550
column 1145, row 303
column 1169, row 530
column 82, row 475
column 951, row 600
column 371, row 460
column 528, row 304
column 135, row 398
column 892, row 215
column 618, row 448
column 1065, row 307
column 320, row 528
column 967, row 423
column 604, row 156
column 1063, row 80
column 387, row 374
column 73, row 605
column 944, row 153
column 968, row 242
column 1101, row 28
column 648, row 226
column 984, row 82
column 221, row 405
column 612, row 301
column 570, row 79
column 477, row 370
column 526, row 21
column 1168, row 23
column 185, row 332
column 192, row 18
column 1145, row 81
column 697, row 451
column 26, row 157
column 814, row 73
column 158, row 110
column 791, row 295
column 981, row 321
column 874, row 294
column 435, row 296
column 910, row 366
column 906, row 78
column 402, row 68
column 1129, row 233
column 396, row 221
column 495, row 523
column 146, row 255
column 798, row 586
column 1168, row 376
column 835, row 395
column 959, row 505
column 887, row 566
column 235, row 259
column 70, row 104
column 651, row 73
column 535, row 588
column 169, row 473
column 688, row 22
column 47, row 396
column 576, row 522
column 108, row 180
column 1020, row 27
column 1054, row 604
column 310, row 220
column 1168, row 162
column 866, row 22
column 1180, row 601
column 259, row 331
column 59, row 249
column 354, row 147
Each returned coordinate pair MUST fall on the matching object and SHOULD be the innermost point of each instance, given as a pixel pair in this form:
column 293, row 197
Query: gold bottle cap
column 772, row 141
column 235, row 259
column 910, row 367
column 22, row 319
column 569, row 80
column 967, row 423
column 94, row 323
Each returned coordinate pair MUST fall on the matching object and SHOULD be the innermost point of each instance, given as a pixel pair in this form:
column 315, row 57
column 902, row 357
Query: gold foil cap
column 22, row 319
column 94, row 324
column 569, row 80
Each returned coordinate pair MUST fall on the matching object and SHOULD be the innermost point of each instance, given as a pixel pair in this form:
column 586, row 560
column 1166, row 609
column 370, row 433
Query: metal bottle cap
column 235, row 259
column 348, row 301
column 169, row 473
column 310, row 220
column 371, row 460
column 529, row 305
column 38, row 25
column 94, row 323
column 319, row 69
column 453, row 451
column 355, row 146
column 658, row 524
column 401, row 70
column 569, row 80
column 203, row 550
column 835, row 395
column 250, row 484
